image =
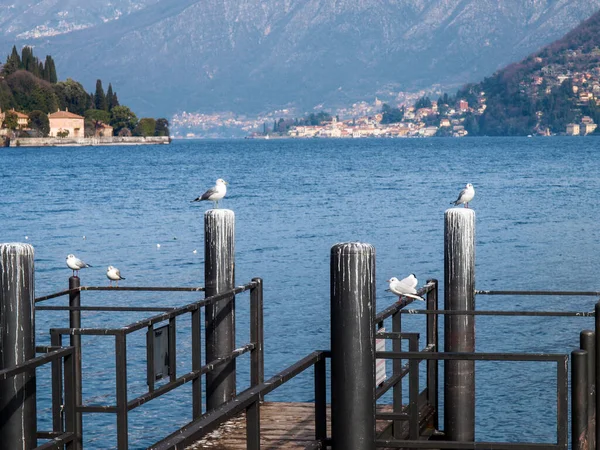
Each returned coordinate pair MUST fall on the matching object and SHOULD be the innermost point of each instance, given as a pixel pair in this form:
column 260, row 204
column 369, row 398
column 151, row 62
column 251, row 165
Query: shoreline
column 88, row 142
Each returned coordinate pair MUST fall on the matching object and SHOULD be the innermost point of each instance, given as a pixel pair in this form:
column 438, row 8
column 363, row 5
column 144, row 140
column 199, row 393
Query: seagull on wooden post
column 215, row 193
column 75, row 264
column 406, row 287
column 465, row 196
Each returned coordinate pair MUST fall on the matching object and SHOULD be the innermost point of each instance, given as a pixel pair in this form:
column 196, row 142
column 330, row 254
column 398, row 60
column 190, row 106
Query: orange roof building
column 62, row 121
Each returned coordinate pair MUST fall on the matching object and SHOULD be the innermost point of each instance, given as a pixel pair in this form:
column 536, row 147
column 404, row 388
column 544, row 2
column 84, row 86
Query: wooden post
column 219, row 276
column 587, row 341
column 579, row 400
column 459, row 331
column 352, row 346
column 17, row 345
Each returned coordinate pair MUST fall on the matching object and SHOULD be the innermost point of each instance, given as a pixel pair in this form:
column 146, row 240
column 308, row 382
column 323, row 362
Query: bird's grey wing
column 119, row 274
column 460, row 196
column 207, row 194
column 406, row 288
column 409, row 281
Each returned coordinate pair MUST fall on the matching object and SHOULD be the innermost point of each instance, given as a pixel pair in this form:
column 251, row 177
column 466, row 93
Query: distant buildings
column 66, row 122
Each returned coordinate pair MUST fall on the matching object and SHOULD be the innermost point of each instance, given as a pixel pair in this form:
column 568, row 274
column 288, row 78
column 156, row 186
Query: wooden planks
column 284, row 425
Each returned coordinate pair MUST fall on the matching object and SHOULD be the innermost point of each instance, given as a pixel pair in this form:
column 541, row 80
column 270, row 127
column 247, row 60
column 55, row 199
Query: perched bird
column 215, row 193
column 465, row 196
column 114, row 274
column 75, row 264
column 407, row 287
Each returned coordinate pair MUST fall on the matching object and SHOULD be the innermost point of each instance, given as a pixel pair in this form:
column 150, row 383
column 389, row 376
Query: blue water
column 537, row 208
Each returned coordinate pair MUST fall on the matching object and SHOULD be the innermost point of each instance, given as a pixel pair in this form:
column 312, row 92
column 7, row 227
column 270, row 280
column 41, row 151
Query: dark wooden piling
column 579, row 400
column 17, row 345
column 459, row 330
column 219, row 276
column 587, row 340
column 352, row 346
column 597, row 363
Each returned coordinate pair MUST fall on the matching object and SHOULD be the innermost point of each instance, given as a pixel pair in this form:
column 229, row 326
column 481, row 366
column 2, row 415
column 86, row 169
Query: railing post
column 196, row 364
column 459, row 331
column 587, row 339
column 257, row 359
column 219, row 276
column 18, row 426
column 396, row 369
column 433, row 340
column 597, row 363
column 121, row 394
column 352, row 346
column 579, row 400
column 75, row 341
column 320, row 400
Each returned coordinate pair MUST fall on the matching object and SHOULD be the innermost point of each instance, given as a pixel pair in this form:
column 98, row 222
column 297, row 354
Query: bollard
column 352, row 346
column 17, row 345
column 579, row 400
column 459, row 331
column 587, row 339
column 219, row 276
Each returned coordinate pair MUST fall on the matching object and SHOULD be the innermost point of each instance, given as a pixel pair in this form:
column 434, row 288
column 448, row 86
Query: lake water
column 538, row 216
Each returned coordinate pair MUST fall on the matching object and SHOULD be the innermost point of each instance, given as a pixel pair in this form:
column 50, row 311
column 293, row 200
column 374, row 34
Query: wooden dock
column 284, row 426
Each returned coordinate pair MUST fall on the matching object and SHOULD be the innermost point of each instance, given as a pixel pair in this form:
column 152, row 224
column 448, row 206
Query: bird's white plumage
column 113, row 274
column 75, row 263
column 406, row 287
column 215, row 193
column 465, row 196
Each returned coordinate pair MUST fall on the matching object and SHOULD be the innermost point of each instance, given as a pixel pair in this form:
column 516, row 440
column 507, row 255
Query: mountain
column 545, row 92
column 249, row 56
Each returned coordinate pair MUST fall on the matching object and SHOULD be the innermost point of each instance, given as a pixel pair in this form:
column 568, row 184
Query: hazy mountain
column 164, row 56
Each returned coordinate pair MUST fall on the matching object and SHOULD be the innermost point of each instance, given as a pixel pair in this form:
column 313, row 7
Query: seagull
column 75, row 264
column 114, row 274
column 465, row 196
column 406, row 287
column 215, row 193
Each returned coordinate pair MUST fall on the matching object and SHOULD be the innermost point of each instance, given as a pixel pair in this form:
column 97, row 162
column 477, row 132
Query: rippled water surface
column 538, row 216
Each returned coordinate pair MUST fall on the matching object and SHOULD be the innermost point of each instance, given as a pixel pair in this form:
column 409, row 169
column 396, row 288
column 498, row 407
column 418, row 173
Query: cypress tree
column 99, row 97
column 14, row 56
column 109, row 98
column 50, row 70
column 115, row 100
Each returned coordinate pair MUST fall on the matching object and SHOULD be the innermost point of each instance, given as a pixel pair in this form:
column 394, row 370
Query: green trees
column 162, row 127
column 122, row 117
column 423, row 102
column 99, row 97
column 391, row 115
column 72, row 96
column 145, row 127
column 38, row 121
column 11, row 121
column 31, row 93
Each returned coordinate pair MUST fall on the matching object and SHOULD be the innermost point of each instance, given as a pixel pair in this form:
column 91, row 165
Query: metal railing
column 66, row 436
column 166, row 315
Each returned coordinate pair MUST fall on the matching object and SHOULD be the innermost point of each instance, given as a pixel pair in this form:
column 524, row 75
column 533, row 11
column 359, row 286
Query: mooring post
column 459, row 330
column 597, row 363
column 219, row 276
column 579, row 400
column 587, row 340
column 17, row 345
column 352, row 346
column 75, row 341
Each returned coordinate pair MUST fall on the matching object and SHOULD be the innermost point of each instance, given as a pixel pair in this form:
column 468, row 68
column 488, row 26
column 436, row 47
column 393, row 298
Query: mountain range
column 251, row 56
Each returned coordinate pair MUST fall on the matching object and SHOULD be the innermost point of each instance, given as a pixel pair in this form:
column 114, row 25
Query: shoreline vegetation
column 89, row 141
column 35, row 105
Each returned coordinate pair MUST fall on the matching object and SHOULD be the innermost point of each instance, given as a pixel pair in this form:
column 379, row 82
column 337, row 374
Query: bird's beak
column 225, row 182
column 387, row 281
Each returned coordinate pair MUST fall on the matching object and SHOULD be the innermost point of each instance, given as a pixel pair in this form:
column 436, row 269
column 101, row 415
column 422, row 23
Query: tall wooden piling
column 579, row 400
column 17, row 345
column 587, row 341
column 352, row 346
column 219, row 276
column 75, row 341
column 459, row 330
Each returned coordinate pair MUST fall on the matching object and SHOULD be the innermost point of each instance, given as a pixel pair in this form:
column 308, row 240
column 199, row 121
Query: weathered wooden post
column 17, row 345
column 459, row 330
column 75, row 341
column 579, row 400
column 219, row 276
column 352, row 346
column 597, row 363
column 587, row 340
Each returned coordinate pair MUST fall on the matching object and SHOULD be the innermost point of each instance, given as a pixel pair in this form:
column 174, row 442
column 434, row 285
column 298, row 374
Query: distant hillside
column 545, row 92
column 256, row 56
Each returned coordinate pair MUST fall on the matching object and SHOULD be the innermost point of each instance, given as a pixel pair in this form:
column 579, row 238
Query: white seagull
column 215, row 193
column 406, row 287
column 465, row 196
column 114, row 274
column 75, row 264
